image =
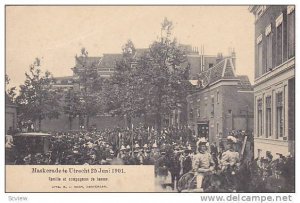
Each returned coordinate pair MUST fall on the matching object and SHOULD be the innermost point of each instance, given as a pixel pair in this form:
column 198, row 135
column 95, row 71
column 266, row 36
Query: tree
column 90, row 87
column 37, row 99
column 155, row 83
column 164, row 71
column 72, row 105
column 10, row 92
column 124, row 95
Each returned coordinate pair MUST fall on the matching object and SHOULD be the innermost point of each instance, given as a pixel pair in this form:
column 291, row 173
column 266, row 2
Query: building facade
column 274, row 85
column 10, row 115
column 221, row 103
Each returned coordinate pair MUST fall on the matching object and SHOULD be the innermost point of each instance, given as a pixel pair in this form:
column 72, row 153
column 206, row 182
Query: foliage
column 90, row 87
column 154, row 82
column 164, row 71
column 37, row 99
column 10, row 92
column 123, row 91
column 72, row 105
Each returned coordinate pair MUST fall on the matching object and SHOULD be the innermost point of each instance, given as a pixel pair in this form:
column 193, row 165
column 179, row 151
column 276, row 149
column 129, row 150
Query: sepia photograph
column 150, row 98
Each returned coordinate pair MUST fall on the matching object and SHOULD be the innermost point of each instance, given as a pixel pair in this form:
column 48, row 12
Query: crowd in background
column 172, row 151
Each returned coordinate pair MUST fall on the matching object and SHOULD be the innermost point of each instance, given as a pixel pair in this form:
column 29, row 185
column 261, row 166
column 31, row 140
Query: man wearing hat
column 122, row 152
column 134, row 160
column 175, row 165
column 203, row 162
column 161, row 168
column 186, row 162
column 126, row 158
column 155, row 152
column 148, row 160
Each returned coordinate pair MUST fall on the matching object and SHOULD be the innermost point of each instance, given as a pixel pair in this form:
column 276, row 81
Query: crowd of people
column 174, row 152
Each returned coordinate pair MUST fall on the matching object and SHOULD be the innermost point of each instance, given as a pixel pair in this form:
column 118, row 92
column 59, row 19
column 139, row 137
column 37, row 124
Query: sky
column 57, row 33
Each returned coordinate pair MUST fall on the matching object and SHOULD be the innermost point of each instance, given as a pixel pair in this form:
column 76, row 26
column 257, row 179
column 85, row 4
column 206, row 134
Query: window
column 229, row 111
column 279, row 115
column 260, row 12
column 210, row 65
column 268, row 117
column 260, row 55
column 217, row 128
column 217, row 97
column 212, row 106
column 268, row 48
column 279, row 39
column 291, row 30
column 259, row 117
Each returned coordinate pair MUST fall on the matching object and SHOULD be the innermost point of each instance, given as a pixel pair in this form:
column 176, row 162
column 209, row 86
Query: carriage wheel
column 186, row 182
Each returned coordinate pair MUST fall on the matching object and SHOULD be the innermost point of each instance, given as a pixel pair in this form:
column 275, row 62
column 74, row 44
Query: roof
column 141, row 52
column 244, row 83
column 222, row 70
column 88, row 61
column 109, row 60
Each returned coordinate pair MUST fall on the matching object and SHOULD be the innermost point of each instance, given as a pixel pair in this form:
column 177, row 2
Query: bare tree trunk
column 40, row 124
column 158, row 113
column 158, row 122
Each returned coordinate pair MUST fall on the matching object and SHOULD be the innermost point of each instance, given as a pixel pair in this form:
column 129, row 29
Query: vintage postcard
column 171, row 98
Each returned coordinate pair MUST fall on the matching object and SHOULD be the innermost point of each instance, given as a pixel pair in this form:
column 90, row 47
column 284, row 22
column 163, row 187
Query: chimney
column 219, row 57
column 233, row 56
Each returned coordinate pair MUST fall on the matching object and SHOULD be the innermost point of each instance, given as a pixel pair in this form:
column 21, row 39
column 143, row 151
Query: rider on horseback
column 230, row 163
column 203, row 162
column 230, row 157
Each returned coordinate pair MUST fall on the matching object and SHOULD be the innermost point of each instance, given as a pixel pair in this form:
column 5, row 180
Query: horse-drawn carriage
column 27, row 143
column 211, row 181
column 34, row 142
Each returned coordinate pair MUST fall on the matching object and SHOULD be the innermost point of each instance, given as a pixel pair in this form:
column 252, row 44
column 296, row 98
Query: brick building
column 105, row 66
column 274, row 85
column 221, row 102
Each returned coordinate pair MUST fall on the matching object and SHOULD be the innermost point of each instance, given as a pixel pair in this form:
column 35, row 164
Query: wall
column 238, row 103
column 10, row 117
column 226, row 98
column 274, row 146
column 268, row 17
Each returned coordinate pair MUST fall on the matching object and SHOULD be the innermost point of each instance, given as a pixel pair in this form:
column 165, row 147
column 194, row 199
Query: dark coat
column 186, row 164
column 148, row 161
